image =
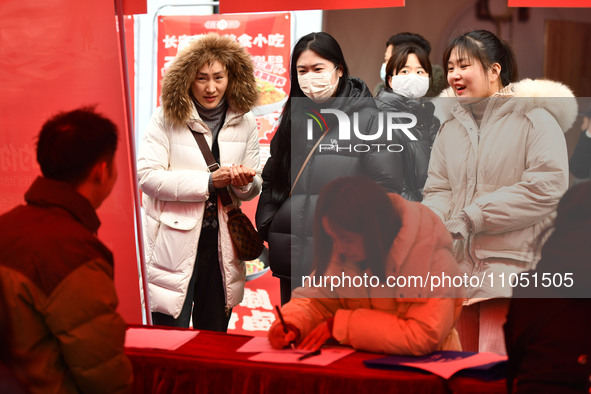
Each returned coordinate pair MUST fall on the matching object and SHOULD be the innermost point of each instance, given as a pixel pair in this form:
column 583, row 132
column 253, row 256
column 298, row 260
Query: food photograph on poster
column 287, row 197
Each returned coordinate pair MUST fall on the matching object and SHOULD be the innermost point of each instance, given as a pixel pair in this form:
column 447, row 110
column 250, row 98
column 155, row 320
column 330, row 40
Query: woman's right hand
column 281, row 336
column 236, row 175
column 241, row 175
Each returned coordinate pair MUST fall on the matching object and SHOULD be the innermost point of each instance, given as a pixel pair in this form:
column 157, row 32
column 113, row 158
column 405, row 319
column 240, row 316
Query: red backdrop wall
column 54, row 56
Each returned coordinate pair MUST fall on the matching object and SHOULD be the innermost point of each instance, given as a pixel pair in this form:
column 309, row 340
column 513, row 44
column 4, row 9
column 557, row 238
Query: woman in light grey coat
column 498, row 168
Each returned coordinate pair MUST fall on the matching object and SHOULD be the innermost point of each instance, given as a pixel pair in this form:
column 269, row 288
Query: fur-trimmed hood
column 241, row 93
column 542, row 93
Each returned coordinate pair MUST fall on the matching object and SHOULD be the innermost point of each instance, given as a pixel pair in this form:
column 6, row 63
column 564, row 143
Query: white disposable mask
column 409, row 85
column 383, row 72
column 317, row 86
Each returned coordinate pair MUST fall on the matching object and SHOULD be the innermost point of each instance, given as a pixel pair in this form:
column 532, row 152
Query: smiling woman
column 470, row 80
column 192, row 267
column 497, row 170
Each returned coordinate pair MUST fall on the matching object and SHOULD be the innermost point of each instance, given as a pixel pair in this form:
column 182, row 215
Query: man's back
column 58, row 281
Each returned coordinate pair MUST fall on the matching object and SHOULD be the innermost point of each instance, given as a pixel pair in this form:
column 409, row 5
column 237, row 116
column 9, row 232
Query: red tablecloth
column 209, row 363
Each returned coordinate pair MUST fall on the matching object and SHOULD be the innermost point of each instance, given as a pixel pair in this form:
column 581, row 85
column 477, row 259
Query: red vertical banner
column 130, row 53
column 57, row 56
column 267, row 37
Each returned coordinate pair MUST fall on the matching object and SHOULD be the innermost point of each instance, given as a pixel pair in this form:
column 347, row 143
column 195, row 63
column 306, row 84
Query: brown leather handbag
column 247, row 241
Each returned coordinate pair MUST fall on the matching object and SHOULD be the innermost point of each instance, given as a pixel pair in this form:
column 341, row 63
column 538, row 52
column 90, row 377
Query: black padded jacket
column 416, row 153
column 287, row 224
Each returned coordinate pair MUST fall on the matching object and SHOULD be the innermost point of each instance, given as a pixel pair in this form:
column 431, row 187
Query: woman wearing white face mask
column 408, row 77
column 319, row 81
column 318, row 86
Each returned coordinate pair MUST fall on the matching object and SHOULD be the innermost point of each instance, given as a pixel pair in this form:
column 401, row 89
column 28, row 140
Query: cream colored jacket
column 508, row 174
column 174, row 180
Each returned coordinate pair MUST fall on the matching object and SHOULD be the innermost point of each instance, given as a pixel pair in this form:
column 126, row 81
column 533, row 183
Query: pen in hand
column 285, row 328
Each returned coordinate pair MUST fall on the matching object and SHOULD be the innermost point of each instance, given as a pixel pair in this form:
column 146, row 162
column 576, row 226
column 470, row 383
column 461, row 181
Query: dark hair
column 325, row 46
column 399, row 57
column 359, row 205
column 486, row 48
column 328, row 48
column 71, row 143
column 409, row 39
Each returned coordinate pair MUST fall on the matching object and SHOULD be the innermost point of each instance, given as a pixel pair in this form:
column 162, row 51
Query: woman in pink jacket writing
column 377, row 286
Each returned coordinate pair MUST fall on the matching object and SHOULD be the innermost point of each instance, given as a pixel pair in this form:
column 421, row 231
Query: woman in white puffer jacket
column 498, row 168
column 192, row 268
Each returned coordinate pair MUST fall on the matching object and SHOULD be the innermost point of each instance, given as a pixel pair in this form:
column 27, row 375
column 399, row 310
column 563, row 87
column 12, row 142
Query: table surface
column 209, row 363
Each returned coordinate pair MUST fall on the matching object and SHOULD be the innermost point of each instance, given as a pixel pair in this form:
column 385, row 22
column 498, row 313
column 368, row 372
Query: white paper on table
column 153, row 338
column 328, row 356
column 266, row 353
column 261, row 345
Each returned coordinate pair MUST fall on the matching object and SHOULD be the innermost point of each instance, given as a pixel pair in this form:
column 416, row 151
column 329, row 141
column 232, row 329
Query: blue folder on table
column 484, row 366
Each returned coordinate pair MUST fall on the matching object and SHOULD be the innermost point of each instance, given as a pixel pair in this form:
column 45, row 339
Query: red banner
column 228, row 6
column 58, row 56
column 550, row 3
column 130, row 53
column 266, row 37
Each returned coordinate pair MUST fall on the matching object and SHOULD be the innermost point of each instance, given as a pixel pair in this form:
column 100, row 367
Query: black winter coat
column 416, row 153
column 580, row 161
column 288, row 225
column 548, row 326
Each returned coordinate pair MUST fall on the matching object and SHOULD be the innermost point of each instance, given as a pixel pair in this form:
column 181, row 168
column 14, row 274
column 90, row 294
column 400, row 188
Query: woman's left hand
column 316, row 337
column 241, row 176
